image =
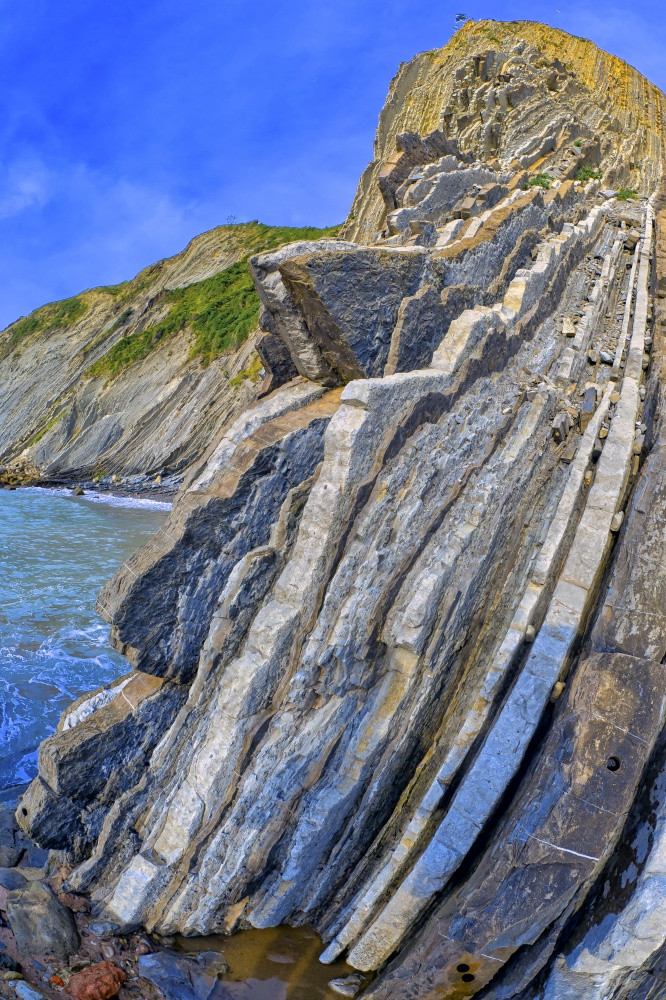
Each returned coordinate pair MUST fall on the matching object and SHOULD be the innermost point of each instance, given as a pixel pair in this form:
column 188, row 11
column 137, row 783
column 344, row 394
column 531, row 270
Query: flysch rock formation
column 74, row 409
column 398, row 654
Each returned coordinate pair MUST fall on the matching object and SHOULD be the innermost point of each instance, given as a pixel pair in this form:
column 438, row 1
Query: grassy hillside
column 219, row 312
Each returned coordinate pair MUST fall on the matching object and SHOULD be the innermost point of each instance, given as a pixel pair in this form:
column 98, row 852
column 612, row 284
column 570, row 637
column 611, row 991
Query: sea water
column 56, row 551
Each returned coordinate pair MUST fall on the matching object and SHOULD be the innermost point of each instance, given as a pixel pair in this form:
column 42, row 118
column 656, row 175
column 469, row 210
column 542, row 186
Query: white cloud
column 24, row 185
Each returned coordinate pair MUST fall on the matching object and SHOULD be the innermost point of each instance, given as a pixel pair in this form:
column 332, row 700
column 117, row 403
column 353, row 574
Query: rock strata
column 398, row 652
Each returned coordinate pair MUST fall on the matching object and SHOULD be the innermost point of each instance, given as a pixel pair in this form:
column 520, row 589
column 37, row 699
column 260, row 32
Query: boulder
column 98, row 982
column 349, row 300
column 10, row 879
column 40, row 923
column 179, row 978
column 8, row 964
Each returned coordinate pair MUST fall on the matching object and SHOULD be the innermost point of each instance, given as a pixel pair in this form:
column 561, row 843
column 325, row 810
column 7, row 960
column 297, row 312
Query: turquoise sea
column 56, row 551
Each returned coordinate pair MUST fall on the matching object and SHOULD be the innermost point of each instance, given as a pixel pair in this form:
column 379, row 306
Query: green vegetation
column 490, row 35
column 124, row 316
column 588, row 174
column 53, row 316
column 578, row 143
column 221, row 311
column 124, row 352
column 539, row 180
column 47, row 427
column 251, row 372
column 626, row 194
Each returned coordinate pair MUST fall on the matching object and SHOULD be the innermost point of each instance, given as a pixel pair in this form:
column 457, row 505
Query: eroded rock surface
column 409, row 618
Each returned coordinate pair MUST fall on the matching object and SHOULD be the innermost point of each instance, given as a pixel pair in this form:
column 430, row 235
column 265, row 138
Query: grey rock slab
column 11, row 878
column 180, row 978
column 40, row 923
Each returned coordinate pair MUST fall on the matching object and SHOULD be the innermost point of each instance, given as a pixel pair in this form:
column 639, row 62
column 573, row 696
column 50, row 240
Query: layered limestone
column 398, row 652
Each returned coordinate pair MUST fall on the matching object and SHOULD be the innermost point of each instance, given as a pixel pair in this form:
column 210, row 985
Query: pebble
column 347, row 987
column 108, row 951
column 558, row 688
column 27, row 992
column 103, row 928
column 10, row 879
column 616, row 523
column 606, row 357
column 215, row 964
column 10, row 977
column 9, row 964
column 593, row 356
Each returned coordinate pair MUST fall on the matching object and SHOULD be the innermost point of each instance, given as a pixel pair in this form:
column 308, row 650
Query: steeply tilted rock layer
column 399, row 650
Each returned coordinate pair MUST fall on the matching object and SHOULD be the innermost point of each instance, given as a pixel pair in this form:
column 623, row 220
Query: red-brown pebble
column 97, row 982
column 76, row 903
column 56, row 980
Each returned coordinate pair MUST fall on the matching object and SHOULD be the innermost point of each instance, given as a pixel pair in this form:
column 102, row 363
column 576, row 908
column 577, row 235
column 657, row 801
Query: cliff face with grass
column 398, row 655
column 130, row 382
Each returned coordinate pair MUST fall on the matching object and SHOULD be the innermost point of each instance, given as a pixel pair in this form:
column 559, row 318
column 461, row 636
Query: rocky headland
column 398, row 654
column 128, row 387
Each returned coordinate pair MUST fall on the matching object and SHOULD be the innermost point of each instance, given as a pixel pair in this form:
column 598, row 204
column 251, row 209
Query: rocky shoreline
column 54, row 944
column 50, row 942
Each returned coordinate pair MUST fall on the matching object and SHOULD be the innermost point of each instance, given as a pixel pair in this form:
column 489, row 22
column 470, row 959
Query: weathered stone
column 98, row 982
column 27, row 992
column 180, row 978
column 561, row 426
column 350, row 986
column 11, row 878
column 103, row 928
column 40, row 923
column 9, row 964
column 350, row 300
column 588, row 406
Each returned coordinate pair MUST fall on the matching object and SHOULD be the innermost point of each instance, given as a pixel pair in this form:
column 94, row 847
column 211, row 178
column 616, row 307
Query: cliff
column 398, row 653
column 126, row 383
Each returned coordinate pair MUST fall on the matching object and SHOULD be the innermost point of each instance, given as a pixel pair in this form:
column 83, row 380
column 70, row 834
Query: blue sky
column 127, row 128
